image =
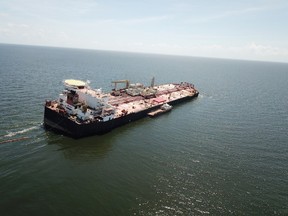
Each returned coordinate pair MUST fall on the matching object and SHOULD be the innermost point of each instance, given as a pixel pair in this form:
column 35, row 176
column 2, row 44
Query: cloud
column 132, row 21
column 162, row 29
column 16, row 25
column 3, row 14
column 4, row 31
column 48, row 10
column 13, row 29
column 263, row 50
column 250, row 51
column 227, row 14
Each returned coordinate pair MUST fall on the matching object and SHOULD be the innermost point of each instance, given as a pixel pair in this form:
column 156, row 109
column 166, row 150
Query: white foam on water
column 11, row 134
column 201, row 96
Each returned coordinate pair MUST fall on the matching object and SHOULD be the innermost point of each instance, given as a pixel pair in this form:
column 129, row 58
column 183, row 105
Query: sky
column 245, row 29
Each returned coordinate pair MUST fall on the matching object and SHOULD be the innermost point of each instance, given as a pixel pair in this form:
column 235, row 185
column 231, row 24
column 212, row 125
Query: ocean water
column 224, row 153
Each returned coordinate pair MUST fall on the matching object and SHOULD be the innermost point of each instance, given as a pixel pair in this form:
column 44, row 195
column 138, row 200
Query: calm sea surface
column 224, row 153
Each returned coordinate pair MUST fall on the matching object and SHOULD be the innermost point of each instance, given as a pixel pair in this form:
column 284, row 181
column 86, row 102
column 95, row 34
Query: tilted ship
column 83, row 111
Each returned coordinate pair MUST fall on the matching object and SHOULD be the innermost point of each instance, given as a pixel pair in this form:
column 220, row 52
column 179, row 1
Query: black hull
column 59, row 122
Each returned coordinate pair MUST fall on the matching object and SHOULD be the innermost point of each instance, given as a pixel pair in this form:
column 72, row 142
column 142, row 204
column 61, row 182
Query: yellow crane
column 121, row 81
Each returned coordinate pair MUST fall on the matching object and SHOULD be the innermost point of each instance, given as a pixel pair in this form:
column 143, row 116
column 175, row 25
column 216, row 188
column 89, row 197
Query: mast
column 152, row 81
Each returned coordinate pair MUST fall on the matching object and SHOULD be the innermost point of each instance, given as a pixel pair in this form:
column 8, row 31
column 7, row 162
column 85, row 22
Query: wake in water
column 12, row 134
column 205, row 95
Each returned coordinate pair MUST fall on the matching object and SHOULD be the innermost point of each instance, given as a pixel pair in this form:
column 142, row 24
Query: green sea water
column 224, row 153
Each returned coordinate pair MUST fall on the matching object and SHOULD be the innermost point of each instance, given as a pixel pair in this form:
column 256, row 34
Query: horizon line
column 143, row 52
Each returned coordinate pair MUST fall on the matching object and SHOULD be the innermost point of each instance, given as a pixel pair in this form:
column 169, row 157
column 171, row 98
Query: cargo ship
column 82, row 111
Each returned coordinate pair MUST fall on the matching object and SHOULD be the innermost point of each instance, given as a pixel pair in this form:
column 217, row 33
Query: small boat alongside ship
column 163, row 109
column 83, row 111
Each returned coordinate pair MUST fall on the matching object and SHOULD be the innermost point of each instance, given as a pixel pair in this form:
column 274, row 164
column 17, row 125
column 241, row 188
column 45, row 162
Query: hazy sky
column 243, row 29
